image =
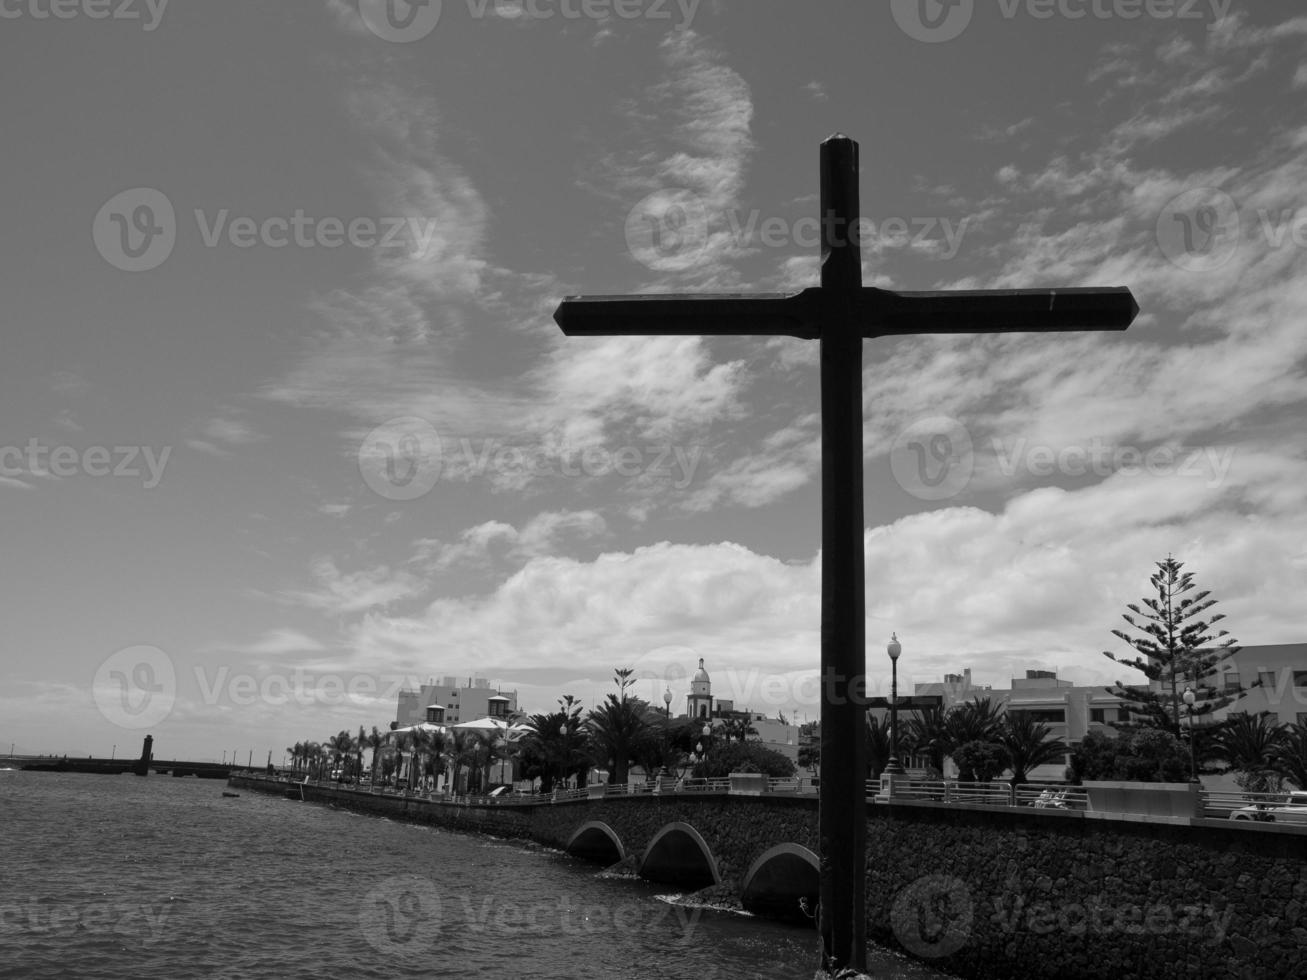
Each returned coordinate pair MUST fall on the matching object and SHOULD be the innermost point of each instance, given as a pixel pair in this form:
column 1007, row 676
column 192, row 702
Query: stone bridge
column 763, row 848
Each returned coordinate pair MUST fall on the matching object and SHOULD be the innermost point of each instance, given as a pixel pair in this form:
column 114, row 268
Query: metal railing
column 1057, row 796
column 1255, row 807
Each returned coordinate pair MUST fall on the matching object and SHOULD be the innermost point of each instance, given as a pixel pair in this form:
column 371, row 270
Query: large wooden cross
column 840, row 313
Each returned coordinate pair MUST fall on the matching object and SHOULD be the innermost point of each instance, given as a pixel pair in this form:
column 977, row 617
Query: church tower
column 698, row 703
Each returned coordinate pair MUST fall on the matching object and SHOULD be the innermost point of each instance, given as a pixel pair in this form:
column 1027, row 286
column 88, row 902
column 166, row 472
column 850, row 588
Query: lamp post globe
column 667, row 701
column 892, row 767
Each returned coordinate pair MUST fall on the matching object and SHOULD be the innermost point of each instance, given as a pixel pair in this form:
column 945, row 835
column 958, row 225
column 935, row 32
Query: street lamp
column 562, row 765
column 1189, row 699
column 893, row 768
column 667, row 701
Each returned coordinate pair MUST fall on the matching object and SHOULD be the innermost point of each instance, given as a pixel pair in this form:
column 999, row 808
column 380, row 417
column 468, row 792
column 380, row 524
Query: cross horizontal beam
column 689, row 314
column 881, row 312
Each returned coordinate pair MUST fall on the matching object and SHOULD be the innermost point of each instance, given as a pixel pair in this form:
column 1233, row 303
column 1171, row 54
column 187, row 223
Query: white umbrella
column 425, row 726
column 489, row 724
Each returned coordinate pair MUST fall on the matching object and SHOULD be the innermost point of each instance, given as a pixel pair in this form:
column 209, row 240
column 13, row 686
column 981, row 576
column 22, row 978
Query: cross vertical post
column 842, row 809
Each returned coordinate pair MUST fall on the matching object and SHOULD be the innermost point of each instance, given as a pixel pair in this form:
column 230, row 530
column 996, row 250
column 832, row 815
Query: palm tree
column 552, row 750
column 434, row 747
column 341, row 745
column 463, row 752
column 1289, row 755
column 927, row 734
column 1029, row 744
column 374, row 740
column 402, row 741
column 314, row 754
column 977, row 720
column 1247, row 743
column 878, row 744
column 617, row 725
column 360, row 743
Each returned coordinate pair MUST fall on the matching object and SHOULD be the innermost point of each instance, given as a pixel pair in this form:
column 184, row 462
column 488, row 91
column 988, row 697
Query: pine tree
column 1177, row 647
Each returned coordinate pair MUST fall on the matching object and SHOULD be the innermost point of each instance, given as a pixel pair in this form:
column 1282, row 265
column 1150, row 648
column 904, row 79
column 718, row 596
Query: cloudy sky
column 287, row 423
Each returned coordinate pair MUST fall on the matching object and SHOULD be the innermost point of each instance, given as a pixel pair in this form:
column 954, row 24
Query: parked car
column 1292, row 810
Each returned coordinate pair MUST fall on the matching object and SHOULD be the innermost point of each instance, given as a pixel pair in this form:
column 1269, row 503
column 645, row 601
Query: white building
column 463, row 698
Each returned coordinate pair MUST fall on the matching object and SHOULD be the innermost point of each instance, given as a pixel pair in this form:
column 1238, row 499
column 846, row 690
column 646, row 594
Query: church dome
column 701, row 676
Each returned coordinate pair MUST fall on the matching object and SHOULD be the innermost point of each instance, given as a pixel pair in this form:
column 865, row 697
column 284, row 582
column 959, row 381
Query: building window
column 1300, row 678
column 1266, row 678
column 1054, row 716
column 1098, row 715
column 1232, row 682
column 1123, row 713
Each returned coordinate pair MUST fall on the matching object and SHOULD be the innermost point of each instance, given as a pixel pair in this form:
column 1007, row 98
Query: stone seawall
column 984, row 892
column 987, row 892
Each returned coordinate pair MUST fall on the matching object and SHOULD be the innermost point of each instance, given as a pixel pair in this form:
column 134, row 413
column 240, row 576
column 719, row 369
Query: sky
column 286, row 424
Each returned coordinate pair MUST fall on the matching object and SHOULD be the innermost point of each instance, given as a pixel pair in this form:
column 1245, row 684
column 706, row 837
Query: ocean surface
column 119, row 876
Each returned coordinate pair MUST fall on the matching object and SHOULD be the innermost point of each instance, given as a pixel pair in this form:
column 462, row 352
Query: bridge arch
column 679, row 855
column 779, row 878
column 596, row 841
